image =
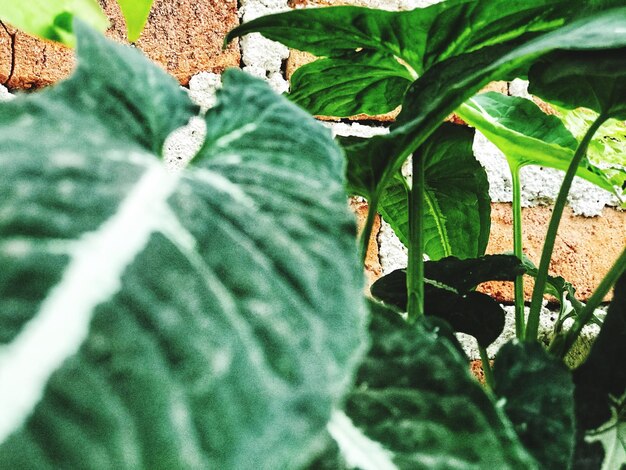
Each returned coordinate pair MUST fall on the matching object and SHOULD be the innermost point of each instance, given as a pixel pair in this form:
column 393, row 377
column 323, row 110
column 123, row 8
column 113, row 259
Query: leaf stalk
column 415, row 268
column 560, row 349
column 518, row 251
column 532, row 327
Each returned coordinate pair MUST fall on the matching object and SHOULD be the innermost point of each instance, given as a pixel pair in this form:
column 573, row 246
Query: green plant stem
column 366, row 234
column 585, row 316
column 532, row 326
column 484, row 357
column 415, row 268
column 518, row 251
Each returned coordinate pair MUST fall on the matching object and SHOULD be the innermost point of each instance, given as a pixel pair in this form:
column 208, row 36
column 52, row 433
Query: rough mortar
column 261, row 57
column 5, row 95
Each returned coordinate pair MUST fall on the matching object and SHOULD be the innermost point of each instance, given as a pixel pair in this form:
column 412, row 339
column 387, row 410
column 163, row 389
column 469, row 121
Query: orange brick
column 585, row 248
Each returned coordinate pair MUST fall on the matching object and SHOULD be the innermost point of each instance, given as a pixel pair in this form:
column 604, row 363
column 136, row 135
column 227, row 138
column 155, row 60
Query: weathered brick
column 6, row 53
column 373, row 269
column 185, row 37
column 585, row 248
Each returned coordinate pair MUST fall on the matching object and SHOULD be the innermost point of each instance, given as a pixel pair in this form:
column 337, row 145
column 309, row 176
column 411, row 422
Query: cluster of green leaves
column 54, row 19
column 432, row 61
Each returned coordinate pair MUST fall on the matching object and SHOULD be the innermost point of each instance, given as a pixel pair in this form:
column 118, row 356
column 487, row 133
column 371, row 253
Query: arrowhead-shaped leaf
column 537, row 394
column 448, row 295
column 370, row 81
column 204, row 319
column 430, row 98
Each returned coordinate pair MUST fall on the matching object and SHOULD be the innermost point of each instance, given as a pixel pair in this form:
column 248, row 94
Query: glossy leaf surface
column 165, row 322
column 418, row 39
column 457, row 216
column 430, row 99
column 593, row 79
column 362, row 82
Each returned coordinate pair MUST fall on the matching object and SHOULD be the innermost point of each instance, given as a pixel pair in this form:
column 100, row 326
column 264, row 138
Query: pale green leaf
column 526, row 135
column 136, row 14
column 52, row 19
column 210, row 318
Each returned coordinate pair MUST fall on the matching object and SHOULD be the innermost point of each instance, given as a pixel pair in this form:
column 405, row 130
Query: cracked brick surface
column 183, row 36
column 6, row 54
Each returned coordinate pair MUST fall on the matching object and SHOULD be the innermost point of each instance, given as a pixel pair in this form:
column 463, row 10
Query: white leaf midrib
column 97, row 262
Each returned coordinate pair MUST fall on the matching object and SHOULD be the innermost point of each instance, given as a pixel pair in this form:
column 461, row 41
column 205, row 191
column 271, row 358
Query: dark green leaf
column 591, row 79
column 537, row 394
column 371, row 80
column 457, row 215
column 415, row 397
column 601, row 393
column 465, row 274
column 472, row 313
column 431, row 98
column 448, row 292
column 420, row 37
column 355, row 83
column 334, row 31
column 158, row 320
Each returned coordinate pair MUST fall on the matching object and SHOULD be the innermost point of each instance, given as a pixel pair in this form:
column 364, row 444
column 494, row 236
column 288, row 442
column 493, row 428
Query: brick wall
column 185, row 37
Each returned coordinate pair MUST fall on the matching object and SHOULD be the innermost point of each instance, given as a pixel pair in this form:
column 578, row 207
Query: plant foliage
column 152, row 319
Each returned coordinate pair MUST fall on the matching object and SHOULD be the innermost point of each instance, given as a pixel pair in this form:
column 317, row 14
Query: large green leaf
column 537, row 395
column 416, row 405
column 136, row 14
column 152, row 319
column 418, row 38
column 52, row 19
column 601, row 393
column 362, row 82
column 431, row 98
column 592, row 79
column 457, row 216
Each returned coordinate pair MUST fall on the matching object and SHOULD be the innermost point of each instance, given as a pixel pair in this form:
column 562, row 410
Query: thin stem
column 518, row 251
column 484, row 357
column 532, row 327
column 594, row 301
column 367, row 229
column 415, row 268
